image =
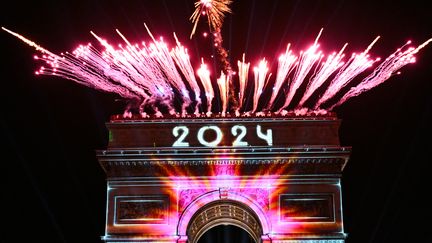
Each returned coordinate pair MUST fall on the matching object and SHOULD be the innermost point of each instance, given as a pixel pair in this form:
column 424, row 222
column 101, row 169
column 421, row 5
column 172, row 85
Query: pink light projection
column 260, row 192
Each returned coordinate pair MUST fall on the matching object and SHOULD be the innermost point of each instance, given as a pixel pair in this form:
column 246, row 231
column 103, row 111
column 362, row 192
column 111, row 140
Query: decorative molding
column 259, row 195
column 222, row 150
column 306, row 207
column 203, row 166
column 186, row 196
column 146, row 209
column 144, row 162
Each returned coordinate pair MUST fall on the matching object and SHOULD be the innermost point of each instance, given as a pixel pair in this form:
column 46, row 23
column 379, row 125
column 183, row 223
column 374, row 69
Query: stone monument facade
column 277, row 178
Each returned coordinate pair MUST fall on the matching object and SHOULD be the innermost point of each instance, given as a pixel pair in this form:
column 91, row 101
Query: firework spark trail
column 169, row 69
column 306, row 61
column 132, row 72
column 243, row 68
column 333, row 63
column 223, row 83
column 150, row 66
column 181, row 57
column 260, row 81
column 74, row 67
column 167, row 65
column 204, row 75
column 29, row 42
column 215, row 11
column 125, row 68
column 89, row 63
column 141, row 65
column 356, row 65
column 384, row 71
column 116, row 66
column 287, row 62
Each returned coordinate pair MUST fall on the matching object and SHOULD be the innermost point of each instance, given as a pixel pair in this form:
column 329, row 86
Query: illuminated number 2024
column 238, row 131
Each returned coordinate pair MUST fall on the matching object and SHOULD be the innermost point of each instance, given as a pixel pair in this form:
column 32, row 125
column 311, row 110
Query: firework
column 204, row 75
column 261, row 79
column 356, row 65
column 243, row 68
column 223, row 83
column 384, row 71
column 215, row 11
column 305, row 64
column 286, row 64
column 181, row 57
column 333, row 63
column 149, row 74
column 29, row 42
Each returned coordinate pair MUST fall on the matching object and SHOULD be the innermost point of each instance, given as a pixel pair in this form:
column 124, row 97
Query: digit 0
column 213, row 143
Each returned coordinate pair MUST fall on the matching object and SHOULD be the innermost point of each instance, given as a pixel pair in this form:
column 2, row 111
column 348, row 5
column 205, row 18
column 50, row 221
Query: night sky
column 53, row 189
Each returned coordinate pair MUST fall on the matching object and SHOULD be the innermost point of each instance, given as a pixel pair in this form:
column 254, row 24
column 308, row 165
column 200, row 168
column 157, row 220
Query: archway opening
column 224, row 215
column 226, row 234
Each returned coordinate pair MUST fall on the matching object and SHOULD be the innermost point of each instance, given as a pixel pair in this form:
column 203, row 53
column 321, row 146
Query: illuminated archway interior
column 224, row 212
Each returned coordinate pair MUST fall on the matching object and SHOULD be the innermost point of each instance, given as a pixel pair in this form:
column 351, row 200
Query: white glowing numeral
column 267, row 137
column 213, row 143
column 238, row 141
column 179, row 142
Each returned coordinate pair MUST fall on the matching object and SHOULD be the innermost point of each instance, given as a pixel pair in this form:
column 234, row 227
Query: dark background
column 52, row 187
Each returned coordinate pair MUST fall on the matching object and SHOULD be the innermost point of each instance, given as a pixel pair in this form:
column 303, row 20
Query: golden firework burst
column 215, row 11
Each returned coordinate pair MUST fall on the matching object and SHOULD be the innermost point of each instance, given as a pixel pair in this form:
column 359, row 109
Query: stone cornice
column 199, row 161
column 215, row 152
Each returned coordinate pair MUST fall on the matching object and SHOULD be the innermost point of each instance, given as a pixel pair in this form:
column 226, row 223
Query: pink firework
column 261, row 79
column 287, row 62
column 333, row 63
column 306, row 62
column 243, row 70
column 355, row 65
column 204, row 75
column 223, row 83
column 384, row 71
column 149, row 74
column 181, row 57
